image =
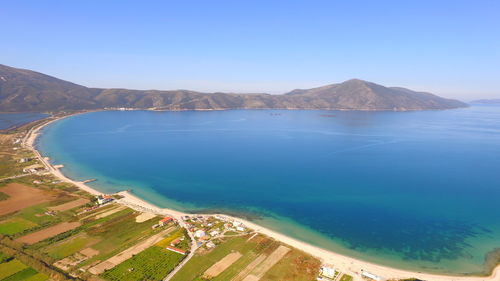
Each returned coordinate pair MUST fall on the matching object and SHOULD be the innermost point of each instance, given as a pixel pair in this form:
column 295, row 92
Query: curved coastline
column 347, row 264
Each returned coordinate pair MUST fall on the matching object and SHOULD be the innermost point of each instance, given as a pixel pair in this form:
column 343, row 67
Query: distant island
column 486, row 101
column 25, row 90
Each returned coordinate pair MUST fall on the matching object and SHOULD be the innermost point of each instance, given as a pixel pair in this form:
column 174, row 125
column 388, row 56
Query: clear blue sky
column 451, row 48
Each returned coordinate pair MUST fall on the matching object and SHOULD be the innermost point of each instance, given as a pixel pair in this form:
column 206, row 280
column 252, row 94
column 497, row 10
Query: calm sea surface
column 9, row 120
column 414, row 190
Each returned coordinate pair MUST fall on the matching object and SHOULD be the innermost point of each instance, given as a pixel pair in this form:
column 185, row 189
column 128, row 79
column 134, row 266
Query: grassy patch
column 36, row 215
column 153, row 263
column 68, row 247
column 11, row 267
column 296, row 266
column 3, row 196
column 37, row 277
column 21, row 275
column 4, row 257
column 346, row 277
column 15, row 225
column 119, row 230
column 117, row 233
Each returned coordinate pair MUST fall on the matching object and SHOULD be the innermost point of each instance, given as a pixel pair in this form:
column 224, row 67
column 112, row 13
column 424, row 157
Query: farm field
column 61, row 235
column 69, row 205
column 118, row 232
column 254, row 253
column 3, row 196
column 295, row 266
column 20, row 197
column 36, row 214
column 43, row 234
column 12, row 269
column 7, row 163
column 128, row 253
column 15, row 225
column 70, row 246
column 154, row 263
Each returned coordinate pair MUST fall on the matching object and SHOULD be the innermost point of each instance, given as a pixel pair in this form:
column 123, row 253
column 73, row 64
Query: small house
column 103, row 199
column 165, row 221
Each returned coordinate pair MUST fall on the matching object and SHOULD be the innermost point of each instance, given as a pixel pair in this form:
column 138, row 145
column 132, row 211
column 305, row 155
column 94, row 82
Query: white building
column 199, row 233
column 103, row 199
column 327, row 271
column 370, row 276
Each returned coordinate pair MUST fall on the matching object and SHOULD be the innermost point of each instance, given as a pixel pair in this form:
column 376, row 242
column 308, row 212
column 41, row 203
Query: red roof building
column 173, row 249
column 165, row 220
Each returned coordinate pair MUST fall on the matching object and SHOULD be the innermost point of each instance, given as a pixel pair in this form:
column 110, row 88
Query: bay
column 413, row 190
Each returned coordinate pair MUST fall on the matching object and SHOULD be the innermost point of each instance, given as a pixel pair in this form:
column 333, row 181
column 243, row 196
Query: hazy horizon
column 448, row 48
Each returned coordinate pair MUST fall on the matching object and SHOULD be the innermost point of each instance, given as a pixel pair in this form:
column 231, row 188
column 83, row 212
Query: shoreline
column 346, row 264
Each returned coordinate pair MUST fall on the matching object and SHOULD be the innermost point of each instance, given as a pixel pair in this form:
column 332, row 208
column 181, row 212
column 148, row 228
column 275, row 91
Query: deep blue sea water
column 414, row 190
column 9, row 120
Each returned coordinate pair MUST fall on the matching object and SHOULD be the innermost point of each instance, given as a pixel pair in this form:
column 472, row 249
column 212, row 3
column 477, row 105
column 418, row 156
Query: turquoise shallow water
column 414, row 190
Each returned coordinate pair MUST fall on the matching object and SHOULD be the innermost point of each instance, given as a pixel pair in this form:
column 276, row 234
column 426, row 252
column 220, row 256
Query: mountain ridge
column 27, row 90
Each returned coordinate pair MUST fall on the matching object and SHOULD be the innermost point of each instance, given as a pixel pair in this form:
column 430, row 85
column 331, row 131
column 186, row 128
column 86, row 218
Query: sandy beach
column 343, row 263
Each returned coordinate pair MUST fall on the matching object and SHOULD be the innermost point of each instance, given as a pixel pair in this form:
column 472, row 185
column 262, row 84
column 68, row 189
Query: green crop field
column 69, row 246
column 36, row 215
column 37, row 277
column 11, row 267
column 21, row 275
column 117, row 233
column 153, row 263
column 15, row 225
column 120, row 229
